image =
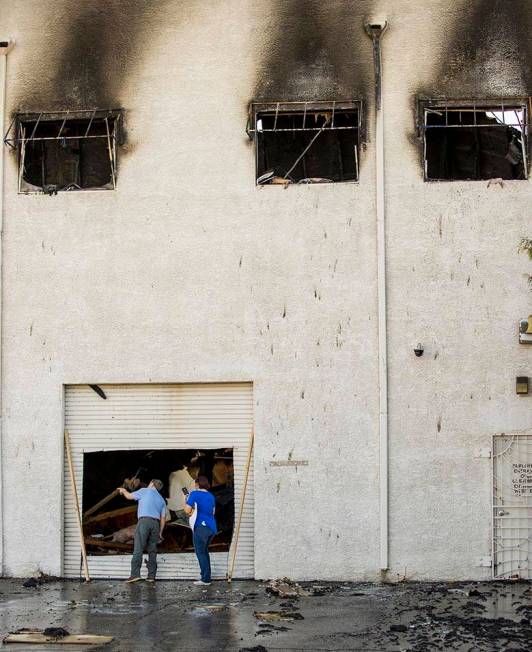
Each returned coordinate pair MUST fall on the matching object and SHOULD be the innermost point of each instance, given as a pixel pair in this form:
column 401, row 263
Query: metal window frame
column 305, row 107
column 445, row 105
column 16, row 138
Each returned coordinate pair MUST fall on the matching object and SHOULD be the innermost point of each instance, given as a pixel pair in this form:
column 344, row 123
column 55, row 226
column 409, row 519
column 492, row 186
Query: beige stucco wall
column 185, row 271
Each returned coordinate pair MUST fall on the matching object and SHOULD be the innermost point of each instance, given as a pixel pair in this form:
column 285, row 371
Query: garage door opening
column 109, row 520
column 158, row 429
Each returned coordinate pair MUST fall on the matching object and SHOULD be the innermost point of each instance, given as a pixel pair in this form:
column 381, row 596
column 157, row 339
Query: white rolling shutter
column 160, row 417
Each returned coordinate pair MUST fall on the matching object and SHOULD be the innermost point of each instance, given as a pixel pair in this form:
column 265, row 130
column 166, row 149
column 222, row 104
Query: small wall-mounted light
column 521, row 385
column 6, row 45
column 525, row 330
column 419, row 350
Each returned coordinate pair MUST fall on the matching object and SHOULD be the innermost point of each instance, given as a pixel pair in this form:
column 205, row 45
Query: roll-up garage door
column 191, row 416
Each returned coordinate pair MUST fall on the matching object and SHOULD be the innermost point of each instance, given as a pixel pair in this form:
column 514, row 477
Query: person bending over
column 151, row 516
column 202, row 503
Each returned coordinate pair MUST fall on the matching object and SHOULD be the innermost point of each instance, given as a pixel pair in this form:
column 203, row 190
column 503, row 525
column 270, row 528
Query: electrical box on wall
column 521, row 385
column 525, row 330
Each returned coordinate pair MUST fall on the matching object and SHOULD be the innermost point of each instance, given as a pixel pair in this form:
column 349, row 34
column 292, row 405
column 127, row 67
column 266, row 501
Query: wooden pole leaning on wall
column 78, row 511
column 241, row 510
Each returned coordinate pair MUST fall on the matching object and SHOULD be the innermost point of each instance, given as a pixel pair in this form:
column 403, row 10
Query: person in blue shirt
column 151, row 516
column 200, row 506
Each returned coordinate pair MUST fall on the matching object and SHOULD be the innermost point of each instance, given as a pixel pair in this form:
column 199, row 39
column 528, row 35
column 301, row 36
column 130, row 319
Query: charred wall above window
column 315, row 50
column 87, row 53
column 489, row 51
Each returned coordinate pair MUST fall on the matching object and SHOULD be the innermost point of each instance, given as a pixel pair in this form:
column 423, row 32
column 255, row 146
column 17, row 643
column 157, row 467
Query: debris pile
column 285, row 615
column 109, row 520
column 286, row 588
column 39, row 580
column 56, row 632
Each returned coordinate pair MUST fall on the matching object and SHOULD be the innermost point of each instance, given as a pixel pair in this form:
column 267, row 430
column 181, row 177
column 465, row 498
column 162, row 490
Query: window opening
column 474, row 141
column 305, row 142
column 65, row 151
column 109, row 520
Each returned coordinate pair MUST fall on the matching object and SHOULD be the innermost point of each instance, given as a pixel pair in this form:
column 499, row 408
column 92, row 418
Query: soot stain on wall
column 489, row 51
column 488, row 56
column 316, row 51
column 99, row 42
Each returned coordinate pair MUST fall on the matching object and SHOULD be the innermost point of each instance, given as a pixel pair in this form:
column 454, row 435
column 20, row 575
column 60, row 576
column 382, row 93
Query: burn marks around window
column 66, row 151
column 88, row 53
column 315, row 49
column 305, row 142
column 489, row 51
column 473, row 141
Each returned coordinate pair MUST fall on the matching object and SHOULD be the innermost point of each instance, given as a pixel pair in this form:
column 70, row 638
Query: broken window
column 65, row 150
column 473, row 142
column 306, row 142
column 109, row 520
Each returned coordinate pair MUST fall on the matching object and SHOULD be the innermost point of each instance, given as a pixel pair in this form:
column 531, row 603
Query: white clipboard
column 192, row 518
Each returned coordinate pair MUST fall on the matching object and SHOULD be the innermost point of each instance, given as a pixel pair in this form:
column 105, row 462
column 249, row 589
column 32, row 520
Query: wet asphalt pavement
column 339, row 616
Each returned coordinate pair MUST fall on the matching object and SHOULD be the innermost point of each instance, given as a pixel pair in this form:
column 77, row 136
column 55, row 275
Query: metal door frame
column 499, row 507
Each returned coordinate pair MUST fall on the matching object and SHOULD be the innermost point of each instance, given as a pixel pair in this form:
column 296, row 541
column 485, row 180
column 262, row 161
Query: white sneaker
column 201, row 583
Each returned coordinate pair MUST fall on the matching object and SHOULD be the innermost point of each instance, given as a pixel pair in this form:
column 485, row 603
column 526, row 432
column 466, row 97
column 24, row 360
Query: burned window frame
column 490, row 105
column 257, row 108
column 23, row 130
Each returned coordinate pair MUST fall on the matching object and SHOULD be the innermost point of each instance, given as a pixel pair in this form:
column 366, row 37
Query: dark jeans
column 146, row 536
column 202, row 538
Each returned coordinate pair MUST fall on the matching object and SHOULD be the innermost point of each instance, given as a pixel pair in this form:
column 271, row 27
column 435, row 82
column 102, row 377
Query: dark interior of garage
column 109, row 519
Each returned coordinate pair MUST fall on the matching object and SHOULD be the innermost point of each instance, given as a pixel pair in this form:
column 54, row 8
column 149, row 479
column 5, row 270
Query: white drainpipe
column 375, row 30
column 5, row 47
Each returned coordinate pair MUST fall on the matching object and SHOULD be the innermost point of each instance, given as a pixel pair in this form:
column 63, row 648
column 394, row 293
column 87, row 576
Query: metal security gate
column 203, row 416
column 512, row 506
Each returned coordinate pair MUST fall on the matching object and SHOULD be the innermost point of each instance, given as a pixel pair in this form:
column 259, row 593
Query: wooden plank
column 239, row 520
column 111, row 514
column 222, row 547
column 100, row 503
column 101, row 543
column 72, row 639
column 78, row 511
